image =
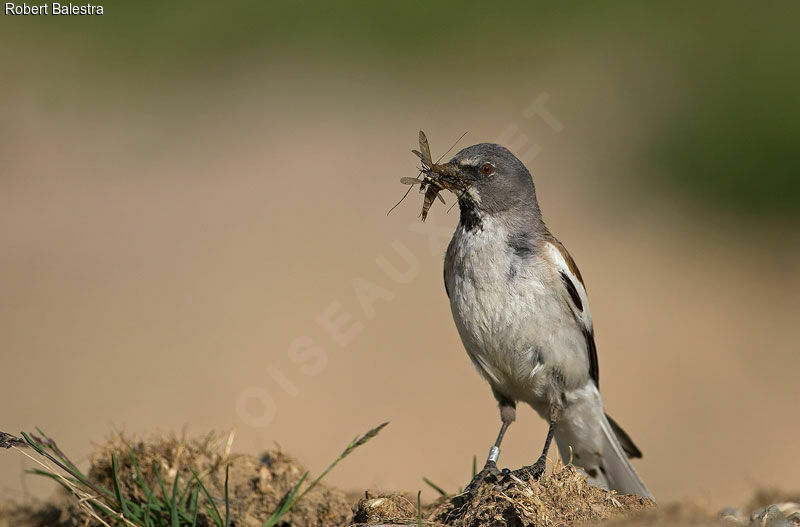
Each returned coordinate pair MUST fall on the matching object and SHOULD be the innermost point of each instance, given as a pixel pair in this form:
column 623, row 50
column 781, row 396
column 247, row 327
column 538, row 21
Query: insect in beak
column 433, row 178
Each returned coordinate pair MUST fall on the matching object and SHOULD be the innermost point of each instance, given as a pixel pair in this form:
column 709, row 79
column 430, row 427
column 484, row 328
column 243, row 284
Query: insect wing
column 410, row 180
column 425, row 149
column 425, row 164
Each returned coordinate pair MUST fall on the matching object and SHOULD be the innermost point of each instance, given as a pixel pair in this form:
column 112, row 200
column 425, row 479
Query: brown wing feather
column 567, row 258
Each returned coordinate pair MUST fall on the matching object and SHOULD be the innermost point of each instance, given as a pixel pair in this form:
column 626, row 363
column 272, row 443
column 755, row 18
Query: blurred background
column 193, row 228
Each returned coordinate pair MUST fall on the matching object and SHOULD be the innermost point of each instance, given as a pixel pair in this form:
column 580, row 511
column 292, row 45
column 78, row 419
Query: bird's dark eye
column 487, row 168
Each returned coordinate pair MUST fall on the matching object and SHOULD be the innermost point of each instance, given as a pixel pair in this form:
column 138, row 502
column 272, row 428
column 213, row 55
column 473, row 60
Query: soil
column 258, row 484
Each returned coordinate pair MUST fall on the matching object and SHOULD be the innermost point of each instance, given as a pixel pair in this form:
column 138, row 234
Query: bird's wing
column 575, row 296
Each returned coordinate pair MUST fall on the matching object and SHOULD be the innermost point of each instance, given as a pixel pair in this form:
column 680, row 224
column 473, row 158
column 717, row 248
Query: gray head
column 491, row 181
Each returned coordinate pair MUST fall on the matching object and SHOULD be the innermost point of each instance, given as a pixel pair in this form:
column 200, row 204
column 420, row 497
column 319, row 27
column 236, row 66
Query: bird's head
column 488, row 180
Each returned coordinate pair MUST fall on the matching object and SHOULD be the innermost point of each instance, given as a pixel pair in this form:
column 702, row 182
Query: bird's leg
column 507, row 414
column 537, row 469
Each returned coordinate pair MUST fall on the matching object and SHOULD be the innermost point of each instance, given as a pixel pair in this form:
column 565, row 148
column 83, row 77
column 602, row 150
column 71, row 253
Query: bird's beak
column 449, row 176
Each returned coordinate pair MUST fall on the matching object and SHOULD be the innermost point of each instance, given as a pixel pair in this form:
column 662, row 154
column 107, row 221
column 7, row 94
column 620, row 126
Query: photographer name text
column 52, row 9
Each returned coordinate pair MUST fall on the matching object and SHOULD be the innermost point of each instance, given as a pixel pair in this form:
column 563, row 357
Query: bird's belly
column 514, row 329
column 498, row 320
column 508, row 357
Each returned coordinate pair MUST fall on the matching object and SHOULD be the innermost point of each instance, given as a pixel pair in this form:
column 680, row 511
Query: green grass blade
column 434, row 486
column 148, row 510
column 354, row 444
column 152, row 505
column 292, row 500
column 212, row 506
column 99, row 491
column 168, row 503
column 194, row 505
column 54, row 477
column 57, row 477
column 227, row 499
column 33, row 444
column 173, row 504
column 160, row 482
column 474, row 466
column 285, row 505
column 139, row 478
column 102, row 510
column 182, row 495
column 51, row 444
column 419, row 508
column 126, row 512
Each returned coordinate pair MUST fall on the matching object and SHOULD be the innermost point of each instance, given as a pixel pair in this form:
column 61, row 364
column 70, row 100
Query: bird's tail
column 598, row 445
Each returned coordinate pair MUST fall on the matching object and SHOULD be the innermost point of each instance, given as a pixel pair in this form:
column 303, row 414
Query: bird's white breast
column 511, row 323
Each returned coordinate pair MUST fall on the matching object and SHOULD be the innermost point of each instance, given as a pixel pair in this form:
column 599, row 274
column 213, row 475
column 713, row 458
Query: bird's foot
column 534, row 472
column 489, row 473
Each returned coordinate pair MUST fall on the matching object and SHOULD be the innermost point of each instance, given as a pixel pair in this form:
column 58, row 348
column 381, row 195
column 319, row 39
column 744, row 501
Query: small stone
column 769, row 517
column 730, row 511
column 731, row 515
column 264, row 479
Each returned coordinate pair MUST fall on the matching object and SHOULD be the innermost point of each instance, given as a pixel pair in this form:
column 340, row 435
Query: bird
column 521, row 309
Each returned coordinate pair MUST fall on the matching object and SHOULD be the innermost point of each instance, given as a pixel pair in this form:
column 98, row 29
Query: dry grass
column 561, row 496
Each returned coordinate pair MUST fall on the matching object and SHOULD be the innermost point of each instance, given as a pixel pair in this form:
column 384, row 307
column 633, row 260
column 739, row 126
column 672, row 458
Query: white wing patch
column 581, row 307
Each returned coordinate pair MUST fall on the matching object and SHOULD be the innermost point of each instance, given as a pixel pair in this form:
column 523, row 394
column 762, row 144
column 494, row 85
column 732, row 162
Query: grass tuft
column 131, row 502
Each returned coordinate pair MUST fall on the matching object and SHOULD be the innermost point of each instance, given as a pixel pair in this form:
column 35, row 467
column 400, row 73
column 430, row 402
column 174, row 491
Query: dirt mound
column 256, row 486
column 559, row 497
column 385, row 509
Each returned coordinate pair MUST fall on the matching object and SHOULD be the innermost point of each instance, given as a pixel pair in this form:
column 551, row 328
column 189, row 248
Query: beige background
column 159, row 255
